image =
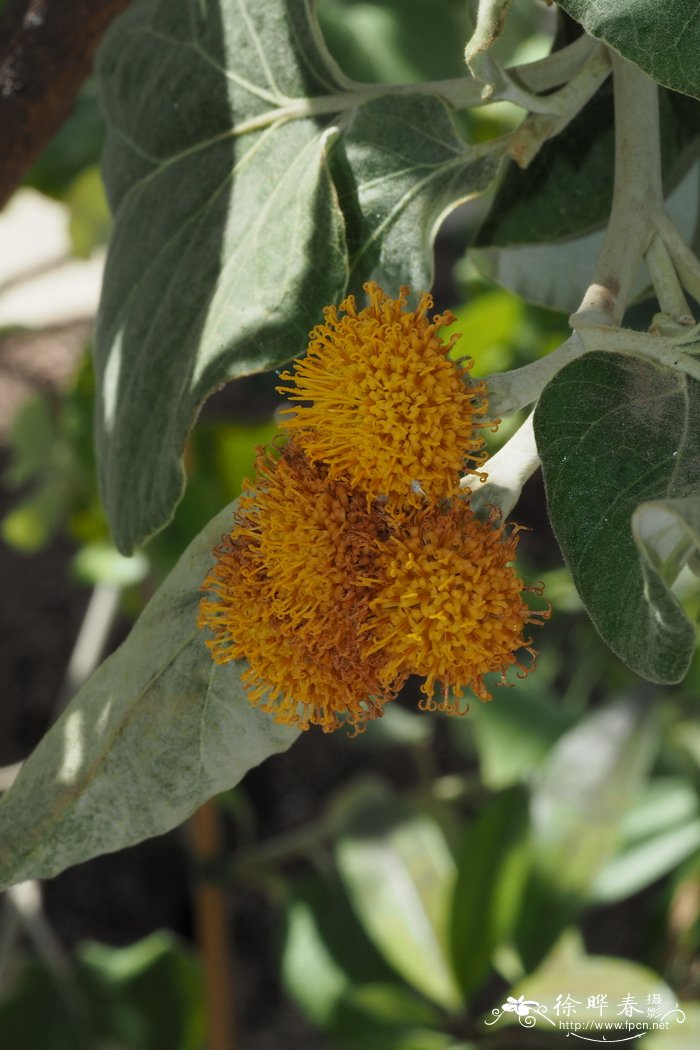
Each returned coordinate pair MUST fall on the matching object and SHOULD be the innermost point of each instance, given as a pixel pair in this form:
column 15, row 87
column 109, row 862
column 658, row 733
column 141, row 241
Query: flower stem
column 507, row 472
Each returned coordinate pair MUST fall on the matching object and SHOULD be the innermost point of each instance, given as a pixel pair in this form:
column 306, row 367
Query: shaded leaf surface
column 158, row 729
column 567, row 189
column 667, row 533
column 555, row 274
column 229, row 237
column 614, row 432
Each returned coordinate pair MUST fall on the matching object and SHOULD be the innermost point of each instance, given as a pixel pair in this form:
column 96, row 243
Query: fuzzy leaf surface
column 156, row 731
column 408, row 168
column 229, row 234
column 616, row 433
column 663, row 39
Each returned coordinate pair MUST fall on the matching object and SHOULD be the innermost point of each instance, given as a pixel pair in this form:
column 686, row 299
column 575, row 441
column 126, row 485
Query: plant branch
column 637, row 200
column 211, row 921
column 677, row 352
column 46, row 51
column 684, row 259
column 664, row 278
column 637, row 196
column 461, row 92
column 498, row 83
column 510, row 391
column 559, row 109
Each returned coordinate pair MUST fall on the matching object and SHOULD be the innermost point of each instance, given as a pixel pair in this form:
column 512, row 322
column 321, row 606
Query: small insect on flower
column 382, row 404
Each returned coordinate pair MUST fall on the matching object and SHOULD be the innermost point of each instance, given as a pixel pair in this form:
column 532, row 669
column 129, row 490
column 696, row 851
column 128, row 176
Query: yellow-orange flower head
column 288, row 596
column 354, row 562
column 450, row 606
column 381, row 403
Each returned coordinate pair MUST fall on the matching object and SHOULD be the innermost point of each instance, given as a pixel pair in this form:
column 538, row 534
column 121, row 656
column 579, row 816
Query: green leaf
column 226, row 244
column 144, row 997
column 89, row 221
column 337, row 978
column 156, row 731
column 663, row 39
column 399, row 875
column 614, row 432
column 326, row 952
column 577, row 807
column 408, row 168
column 660, row 831
column 489, row 879
column 229, row 234
column 148, row 996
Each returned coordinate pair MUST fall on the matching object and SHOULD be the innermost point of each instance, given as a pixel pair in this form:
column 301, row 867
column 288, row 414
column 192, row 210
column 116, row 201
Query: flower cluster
column 356, row 561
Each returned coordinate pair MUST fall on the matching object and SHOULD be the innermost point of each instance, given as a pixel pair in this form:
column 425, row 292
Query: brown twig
column 46, row 51
column 211, row 923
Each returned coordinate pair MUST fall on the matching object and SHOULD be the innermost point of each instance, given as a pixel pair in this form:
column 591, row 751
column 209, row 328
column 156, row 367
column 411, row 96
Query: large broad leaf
column 615, row 432
column 337, row 979
column 157, row 730
column 664, row 39
column 229, row 236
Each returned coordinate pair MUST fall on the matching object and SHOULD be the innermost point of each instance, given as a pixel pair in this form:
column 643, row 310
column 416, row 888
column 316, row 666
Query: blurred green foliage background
column 546, row 844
